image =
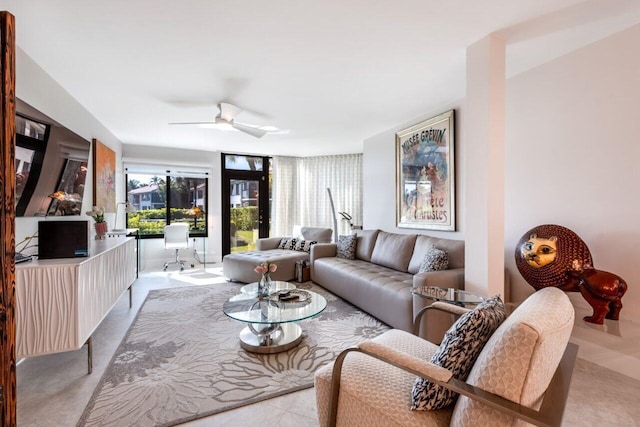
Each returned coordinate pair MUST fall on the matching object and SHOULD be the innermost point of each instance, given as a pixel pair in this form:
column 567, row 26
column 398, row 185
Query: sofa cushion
column 366, row 242
column 380, row 291
column 288, row 244
column 520, row 358
column 458, row 352
column 346, row 247
column 454, row 249
column 322, row 235
column 434, row 260
column 304, row 245
column 393, row 250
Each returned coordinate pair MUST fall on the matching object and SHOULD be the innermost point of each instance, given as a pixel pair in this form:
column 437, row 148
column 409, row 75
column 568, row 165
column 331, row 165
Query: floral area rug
column 181, row 359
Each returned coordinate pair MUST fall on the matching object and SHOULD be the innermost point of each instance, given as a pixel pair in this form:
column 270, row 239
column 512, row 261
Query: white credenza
column 61, row 302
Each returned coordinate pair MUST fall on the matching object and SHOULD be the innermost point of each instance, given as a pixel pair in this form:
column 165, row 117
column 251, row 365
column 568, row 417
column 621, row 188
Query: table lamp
column 128, row 208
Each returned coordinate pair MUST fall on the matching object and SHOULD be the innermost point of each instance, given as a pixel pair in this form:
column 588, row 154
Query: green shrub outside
column 153, row 221
column 245, row 218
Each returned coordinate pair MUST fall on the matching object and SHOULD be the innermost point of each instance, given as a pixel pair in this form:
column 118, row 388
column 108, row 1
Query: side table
column 453, row 296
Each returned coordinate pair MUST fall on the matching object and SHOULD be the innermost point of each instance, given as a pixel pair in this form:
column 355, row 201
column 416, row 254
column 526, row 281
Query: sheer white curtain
column 285, row 208
column 300, row 192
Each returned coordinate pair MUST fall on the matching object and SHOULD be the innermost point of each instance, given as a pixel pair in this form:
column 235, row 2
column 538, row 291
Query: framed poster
column 104, row 176
column 425, row 188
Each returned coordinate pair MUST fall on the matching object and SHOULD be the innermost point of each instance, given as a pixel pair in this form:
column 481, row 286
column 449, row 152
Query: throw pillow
column 458, row 352
column 434, row 260
column 305, row 245
column 289, row 244
column 347, row 247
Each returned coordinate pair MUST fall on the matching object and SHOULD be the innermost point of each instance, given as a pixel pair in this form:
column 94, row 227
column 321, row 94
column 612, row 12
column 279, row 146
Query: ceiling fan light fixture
column 223, row 124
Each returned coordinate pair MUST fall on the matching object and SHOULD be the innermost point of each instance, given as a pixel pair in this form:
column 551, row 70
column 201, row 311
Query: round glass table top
column 247, row 307
column 450, row 295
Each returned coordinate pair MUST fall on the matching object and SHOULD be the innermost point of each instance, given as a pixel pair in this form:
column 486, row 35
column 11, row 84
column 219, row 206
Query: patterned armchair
column 521, row 376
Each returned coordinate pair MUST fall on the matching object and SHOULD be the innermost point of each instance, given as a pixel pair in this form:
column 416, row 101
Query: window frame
column 168, row 176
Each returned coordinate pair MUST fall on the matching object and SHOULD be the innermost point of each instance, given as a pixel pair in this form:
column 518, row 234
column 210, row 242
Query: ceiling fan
column 225, row 120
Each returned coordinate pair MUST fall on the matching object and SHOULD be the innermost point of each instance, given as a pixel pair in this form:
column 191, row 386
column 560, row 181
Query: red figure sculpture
column 602, row 290
column 552, row 255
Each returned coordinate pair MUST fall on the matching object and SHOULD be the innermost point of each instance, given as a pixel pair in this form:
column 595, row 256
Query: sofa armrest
column 323, row 250
column 268, row 243
column 452, row 278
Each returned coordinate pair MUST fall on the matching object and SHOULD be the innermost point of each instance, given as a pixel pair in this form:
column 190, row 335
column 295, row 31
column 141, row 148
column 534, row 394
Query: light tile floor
column 53, row 390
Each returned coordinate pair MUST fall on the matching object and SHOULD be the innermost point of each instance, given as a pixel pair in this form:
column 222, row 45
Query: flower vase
column 264, row 286
column 101, row 230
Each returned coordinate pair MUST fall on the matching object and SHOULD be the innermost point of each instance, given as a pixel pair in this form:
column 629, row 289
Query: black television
column 51, row 165
column 63, row 239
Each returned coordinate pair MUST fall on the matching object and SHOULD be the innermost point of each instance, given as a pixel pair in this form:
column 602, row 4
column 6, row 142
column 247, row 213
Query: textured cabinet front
column 46, row 301
column 59, row 303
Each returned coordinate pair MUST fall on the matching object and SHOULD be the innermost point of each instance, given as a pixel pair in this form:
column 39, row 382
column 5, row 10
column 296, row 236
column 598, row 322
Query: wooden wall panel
column 7, row 218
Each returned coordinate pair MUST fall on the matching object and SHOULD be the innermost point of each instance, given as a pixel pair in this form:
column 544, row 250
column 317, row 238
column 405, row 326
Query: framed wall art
column 425, row 193
column 104, row 176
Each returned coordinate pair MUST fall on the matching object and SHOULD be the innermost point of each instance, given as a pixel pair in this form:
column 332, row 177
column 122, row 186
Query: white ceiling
column 330, row 72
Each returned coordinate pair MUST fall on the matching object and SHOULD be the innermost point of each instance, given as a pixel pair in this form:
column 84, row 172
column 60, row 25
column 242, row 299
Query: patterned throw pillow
column 434, row 260
column 289, row 244
column 305, row 245
column 458, row 352
column 347, row 247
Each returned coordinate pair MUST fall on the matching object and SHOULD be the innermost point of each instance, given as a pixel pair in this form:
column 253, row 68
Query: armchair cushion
column 458, row 352
column 371, row 394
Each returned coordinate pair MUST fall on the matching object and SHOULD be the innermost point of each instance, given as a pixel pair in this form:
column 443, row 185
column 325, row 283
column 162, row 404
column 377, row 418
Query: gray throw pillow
column 346, row 247
column 434, row 260
column 459, row 350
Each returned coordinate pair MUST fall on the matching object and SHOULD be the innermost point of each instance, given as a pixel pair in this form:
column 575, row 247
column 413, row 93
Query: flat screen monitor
column 63, row 239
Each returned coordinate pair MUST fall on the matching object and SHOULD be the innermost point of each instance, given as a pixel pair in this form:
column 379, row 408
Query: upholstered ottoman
column 240, row 266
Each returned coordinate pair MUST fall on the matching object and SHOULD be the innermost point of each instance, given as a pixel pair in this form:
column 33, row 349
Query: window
column 31, row 144
column 161, row 198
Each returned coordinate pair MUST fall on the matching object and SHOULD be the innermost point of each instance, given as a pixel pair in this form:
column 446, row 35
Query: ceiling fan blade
column 251, row 130
column 228, row 111
column 193, row 123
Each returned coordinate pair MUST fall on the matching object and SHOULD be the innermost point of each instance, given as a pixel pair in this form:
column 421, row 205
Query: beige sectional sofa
column 385, row 268
column 239, row 267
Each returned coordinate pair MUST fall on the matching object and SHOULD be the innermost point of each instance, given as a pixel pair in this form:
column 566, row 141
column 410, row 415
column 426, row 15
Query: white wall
column 572, row 156
column 379, row 177
column 153, row 254
column 35, row 87
column 571, row 159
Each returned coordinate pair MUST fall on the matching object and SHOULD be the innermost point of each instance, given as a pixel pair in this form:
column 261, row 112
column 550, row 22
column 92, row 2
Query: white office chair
column 176, row 236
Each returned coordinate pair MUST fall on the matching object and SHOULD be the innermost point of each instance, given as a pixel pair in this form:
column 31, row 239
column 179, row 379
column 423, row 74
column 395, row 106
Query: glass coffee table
column 271, row 326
